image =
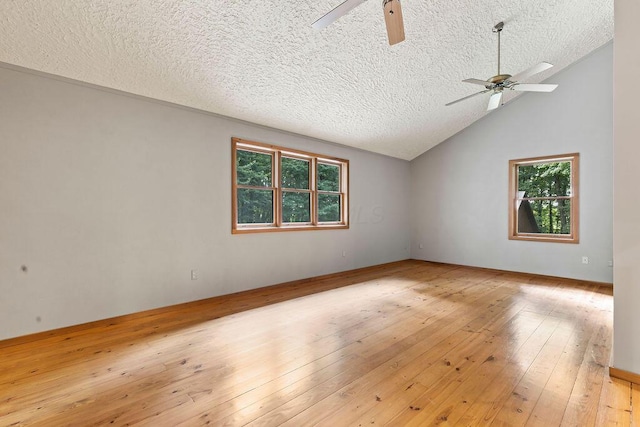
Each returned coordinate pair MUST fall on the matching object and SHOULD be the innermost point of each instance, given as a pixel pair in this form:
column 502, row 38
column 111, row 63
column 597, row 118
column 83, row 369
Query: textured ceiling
column 262, row 62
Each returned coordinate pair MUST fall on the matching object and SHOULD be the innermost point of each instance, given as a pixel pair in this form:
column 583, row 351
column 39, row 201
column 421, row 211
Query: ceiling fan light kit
column 392, row 17
column 498, row 83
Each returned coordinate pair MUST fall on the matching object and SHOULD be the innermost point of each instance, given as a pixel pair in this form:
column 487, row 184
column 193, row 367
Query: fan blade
column 530, row 71
column 466, row 97
column 494, row 101
column 393, row 20
column 478, row 82
column 527, row 87
column 337, row 12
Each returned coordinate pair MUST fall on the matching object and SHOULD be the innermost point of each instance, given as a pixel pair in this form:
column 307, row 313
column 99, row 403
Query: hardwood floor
column 408, row 343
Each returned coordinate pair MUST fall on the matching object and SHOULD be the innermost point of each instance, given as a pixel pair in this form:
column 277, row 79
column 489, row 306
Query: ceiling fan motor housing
column 500, row 78
column 497, row 81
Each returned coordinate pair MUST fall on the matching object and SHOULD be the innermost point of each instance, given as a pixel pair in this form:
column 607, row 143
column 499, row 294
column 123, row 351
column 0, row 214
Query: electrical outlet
column 610, row 263
column 585, row 260
column 194, row 274
column 344, row 253
column 421, row 246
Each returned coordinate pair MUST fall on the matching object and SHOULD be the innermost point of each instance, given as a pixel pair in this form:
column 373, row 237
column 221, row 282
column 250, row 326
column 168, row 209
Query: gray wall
column 460, row 188
column 626, row 207
column 110, row 201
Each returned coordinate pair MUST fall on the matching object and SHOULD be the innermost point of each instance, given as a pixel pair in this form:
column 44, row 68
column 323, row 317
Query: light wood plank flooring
column 404, row 344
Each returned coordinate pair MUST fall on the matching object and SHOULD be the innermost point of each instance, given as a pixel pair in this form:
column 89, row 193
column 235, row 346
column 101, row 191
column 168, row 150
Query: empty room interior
column 319, row 213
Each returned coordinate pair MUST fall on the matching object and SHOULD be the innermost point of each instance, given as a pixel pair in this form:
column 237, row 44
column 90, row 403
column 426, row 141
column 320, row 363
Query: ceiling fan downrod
column 498, row 29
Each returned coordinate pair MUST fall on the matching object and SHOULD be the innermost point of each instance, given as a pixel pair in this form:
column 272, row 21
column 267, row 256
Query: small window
column 279, row 189
column 543, row 199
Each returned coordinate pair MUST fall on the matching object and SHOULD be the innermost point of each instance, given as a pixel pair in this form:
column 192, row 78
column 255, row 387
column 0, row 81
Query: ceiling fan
column 392, row 17
column 498, row 83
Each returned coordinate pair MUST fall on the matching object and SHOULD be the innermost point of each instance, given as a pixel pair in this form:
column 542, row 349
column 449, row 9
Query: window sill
column 285, row 228
column 545, row 238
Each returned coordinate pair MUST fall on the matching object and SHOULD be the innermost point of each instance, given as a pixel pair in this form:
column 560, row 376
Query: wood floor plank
column 518, row 407
column 551, row 405
column 635, row 405
column 614, row 408
column 349, row 385
column 583, row 402
column 449, row 365
column 406, row 343
column 494, row 394
column 396, row 354
column 449, row 397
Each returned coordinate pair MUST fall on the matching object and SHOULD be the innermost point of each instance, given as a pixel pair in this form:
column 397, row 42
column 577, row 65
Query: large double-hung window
column 543, row 198
column 281, row 189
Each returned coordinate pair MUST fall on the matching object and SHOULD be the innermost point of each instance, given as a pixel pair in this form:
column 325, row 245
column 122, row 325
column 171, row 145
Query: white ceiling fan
column 498, row 83
column 392, row 17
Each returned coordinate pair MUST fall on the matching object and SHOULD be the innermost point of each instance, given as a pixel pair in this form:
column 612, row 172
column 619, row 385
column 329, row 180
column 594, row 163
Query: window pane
column 544, row 216
column 296, row 207
column 255, row 206
column 295, row 173
column 253, row 168
column 545, row 179
column 328, row 207
column 328, row 177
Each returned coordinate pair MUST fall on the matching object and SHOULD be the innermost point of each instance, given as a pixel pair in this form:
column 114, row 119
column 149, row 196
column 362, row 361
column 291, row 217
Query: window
column 543, row 198
column 279, row 189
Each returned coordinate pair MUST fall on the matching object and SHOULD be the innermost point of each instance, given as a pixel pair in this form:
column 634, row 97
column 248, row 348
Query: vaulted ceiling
column 261, row 61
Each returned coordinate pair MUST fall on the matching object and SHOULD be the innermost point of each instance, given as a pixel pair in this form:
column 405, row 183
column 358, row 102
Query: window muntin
column 543, row 199
column 278, row 189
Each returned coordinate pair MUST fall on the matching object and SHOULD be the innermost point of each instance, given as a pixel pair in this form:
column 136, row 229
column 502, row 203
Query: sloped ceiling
column 262, row 62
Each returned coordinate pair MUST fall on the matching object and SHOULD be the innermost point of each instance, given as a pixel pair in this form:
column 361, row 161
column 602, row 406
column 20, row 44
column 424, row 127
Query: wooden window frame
column 277, row 154
column 573, row 236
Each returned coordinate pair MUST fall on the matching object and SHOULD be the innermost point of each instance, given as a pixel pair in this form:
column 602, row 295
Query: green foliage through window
column 253, row 168
column 328, row 177
column 296, row 207
column 255, row 206
column 300, row 188
column 541, row 185
column 328, row 207
column 544, row 198
column 295, row 173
